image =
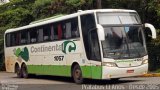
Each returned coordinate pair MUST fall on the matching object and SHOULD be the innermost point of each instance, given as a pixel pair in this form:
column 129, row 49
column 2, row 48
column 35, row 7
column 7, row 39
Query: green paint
column 49, row 70
column 24, row 53
column 94, row 72
column 65, row 43
column 17, row 52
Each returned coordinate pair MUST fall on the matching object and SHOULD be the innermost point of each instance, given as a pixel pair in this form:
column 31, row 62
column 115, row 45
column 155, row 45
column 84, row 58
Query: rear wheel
column 77, row 74
column 24, row 71
column 18, row 71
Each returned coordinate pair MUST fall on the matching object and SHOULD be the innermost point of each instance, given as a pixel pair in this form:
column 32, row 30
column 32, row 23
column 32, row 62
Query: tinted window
column 65, row 29
column 24, row 37
column 90, row 37
column 46, row 32
column 8, row 40
column 15, row 38
column 33, row 36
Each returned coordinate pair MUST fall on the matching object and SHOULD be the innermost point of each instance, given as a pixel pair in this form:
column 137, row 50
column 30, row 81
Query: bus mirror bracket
column 153, row 30
column 101, row 33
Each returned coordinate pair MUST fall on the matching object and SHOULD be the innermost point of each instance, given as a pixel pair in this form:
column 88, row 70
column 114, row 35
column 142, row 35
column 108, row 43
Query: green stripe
column 49, row 70
column 94, row 72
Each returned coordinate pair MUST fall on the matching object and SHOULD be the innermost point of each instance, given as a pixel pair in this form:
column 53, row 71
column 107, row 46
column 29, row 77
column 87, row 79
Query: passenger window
column 40, row 35
column 8, row 40
column 15, row 38
column 59, row 31
column 24, row 37
column 54, row 32
column 46, row 33
column 33, row 36
column 74, row 28
column 67, row 30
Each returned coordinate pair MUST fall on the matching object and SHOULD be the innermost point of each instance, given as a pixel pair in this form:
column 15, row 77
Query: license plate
column 130, row 71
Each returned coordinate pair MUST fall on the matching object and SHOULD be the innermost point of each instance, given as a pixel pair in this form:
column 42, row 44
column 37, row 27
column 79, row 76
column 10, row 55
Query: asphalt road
column 9, row 81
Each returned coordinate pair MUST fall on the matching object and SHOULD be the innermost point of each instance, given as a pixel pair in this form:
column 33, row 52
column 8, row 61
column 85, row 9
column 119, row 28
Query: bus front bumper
column 116, row 72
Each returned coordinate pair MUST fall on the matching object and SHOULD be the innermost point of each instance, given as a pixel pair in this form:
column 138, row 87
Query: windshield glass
column 123, row 38
column 118, row 18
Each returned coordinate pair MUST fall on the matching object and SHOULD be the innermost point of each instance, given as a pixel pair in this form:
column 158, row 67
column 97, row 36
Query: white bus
column 95, row 44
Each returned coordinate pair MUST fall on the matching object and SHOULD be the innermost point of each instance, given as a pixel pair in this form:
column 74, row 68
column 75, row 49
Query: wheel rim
column 18, row 71
column 24, row 71
column 77, row 74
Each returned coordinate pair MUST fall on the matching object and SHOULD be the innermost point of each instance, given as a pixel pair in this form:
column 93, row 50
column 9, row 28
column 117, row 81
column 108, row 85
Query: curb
column 151, row 75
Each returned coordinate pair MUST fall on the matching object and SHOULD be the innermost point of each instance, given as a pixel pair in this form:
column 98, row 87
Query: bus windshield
column 123, row 38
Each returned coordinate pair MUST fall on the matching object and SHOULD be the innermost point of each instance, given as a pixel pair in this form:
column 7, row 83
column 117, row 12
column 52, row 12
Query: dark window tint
column 65, row 29
column 90, row 37
column 15, row 38
column 94, row 43
column 40, row 34
column 74, row 28
column 46, row 32
column 24, row 37
column 8, row 40
column 33, row 36
column 54, row 32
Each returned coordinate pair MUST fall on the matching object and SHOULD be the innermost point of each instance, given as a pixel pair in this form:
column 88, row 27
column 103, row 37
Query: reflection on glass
column 123, row 42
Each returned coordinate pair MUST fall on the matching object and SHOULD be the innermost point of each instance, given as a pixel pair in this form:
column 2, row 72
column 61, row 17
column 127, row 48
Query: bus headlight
column 145, row 61
column 109, row 64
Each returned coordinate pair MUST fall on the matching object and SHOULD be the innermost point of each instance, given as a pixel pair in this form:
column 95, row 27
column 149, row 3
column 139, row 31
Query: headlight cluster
column 109, row 64
column 145, row 61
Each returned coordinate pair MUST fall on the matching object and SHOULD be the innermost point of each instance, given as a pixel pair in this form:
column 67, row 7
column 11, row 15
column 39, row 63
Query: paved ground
column 9, row 81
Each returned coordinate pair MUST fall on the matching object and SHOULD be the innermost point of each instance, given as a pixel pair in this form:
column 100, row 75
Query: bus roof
column 59, row 18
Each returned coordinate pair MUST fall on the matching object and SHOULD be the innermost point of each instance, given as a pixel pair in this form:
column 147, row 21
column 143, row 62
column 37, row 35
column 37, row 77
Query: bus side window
column 24, row 37
column 74, row 28
column 33, row 36
column 40, row 35
column 15, row 38
column 67, row 30
column 46, row 33
column 54, row 32
column 59, row 31
column 8, row 40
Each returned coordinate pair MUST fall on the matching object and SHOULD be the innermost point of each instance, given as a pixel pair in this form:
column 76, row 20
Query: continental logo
column 65, row 47
column 68, row 46
column 24, row 53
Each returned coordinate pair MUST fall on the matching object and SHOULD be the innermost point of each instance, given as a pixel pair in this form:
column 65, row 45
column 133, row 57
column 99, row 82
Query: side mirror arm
column 153, row 30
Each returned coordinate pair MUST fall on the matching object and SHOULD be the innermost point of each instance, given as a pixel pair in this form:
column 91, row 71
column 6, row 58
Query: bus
column 95, row 44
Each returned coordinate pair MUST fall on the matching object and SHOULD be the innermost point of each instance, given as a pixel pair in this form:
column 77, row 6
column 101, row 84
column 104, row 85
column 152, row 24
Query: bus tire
column 18, row 71
column 77, row 74
column 24, row 71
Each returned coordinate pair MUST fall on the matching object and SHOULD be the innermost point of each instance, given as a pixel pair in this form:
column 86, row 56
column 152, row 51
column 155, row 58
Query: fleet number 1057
column 58, row 58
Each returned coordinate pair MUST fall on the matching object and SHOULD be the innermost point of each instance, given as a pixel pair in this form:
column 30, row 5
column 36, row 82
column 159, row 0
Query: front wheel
column 77, row 74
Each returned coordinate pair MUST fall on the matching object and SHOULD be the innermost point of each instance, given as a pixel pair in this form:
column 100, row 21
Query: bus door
column 94, row 55
column 91, row 44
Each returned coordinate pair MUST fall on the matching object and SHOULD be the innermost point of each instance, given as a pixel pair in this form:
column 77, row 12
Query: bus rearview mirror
column 101, row 33
column 153, row 30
